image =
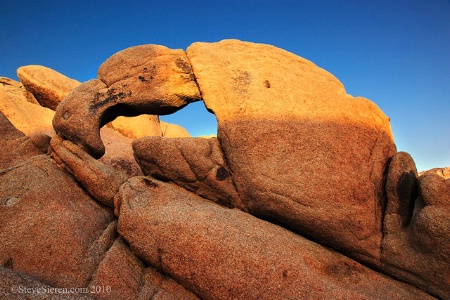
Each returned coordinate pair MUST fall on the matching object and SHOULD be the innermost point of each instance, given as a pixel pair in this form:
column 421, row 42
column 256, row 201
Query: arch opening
column 195, row 118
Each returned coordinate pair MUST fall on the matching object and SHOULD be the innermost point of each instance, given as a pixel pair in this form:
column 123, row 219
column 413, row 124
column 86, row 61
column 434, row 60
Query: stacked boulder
column 302, row 195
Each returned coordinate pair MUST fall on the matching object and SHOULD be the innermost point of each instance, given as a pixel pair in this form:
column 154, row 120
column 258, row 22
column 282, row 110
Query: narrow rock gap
column 8, row 264
column 142, row 281
column 186, row 160
column 228, row 165
column 113, row 223
column 19, row 165
column 81, row 186
column 160, row 262
column 384, row 207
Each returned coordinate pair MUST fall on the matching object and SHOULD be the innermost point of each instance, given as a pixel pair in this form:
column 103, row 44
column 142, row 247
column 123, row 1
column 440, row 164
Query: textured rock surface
column 50, row 228
column 75, row 121
column 313, row 157
column 129, row 278
column 222, row 253
column 54, row 212
column 435, row 186
column 121, row 271
column 18, row 286
column 144, row 79
column 11, row 86
column 118, row 152
column 100, row 180
column 193, row 163
column 292, row 149
column 47, row 85
column 17, row 105
column 417, row 227
column 443, row 172
column 16, row 147
column 35, row 121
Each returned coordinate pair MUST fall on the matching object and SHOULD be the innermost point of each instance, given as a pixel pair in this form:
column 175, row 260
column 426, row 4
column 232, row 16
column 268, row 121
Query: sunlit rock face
column 22, row 109
column 301, row 194
column 47, row 85
column 143, row 79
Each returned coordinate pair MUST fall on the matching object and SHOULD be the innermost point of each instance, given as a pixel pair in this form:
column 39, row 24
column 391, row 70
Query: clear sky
column 394, row 52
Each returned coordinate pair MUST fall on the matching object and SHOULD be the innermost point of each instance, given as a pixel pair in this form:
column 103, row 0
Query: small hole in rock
column 222, row 174
column 66, row 115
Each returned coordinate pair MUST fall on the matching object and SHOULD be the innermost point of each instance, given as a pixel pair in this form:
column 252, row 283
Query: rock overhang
column 234, row 79
column 148, row 79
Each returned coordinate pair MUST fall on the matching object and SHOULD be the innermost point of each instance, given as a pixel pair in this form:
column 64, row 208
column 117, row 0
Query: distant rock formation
column 302, row 194
column 47, row 85
column 23, row 110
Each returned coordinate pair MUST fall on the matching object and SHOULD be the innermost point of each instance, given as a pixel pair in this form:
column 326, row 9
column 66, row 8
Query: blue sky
column 394, row 52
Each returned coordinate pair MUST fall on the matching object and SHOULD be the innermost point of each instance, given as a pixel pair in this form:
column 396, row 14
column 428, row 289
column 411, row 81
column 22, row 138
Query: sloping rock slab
column 18, row 106
column 50, row 229
column 126, row 277
column 222, row 253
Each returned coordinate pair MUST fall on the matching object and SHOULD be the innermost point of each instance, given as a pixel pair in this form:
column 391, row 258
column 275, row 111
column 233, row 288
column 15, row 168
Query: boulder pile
column 302, row 194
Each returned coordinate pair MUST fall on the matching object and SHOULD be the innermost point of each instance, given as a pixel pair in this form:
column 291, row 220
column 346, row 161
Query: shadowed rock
column 417, row 226
column 118, row 152
column 293, row 149
column 222, row 253
column 18, row 286
column 301, row 152
column 194, row 163
column 50, row 228
column 128, row 278
column 100, row 180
